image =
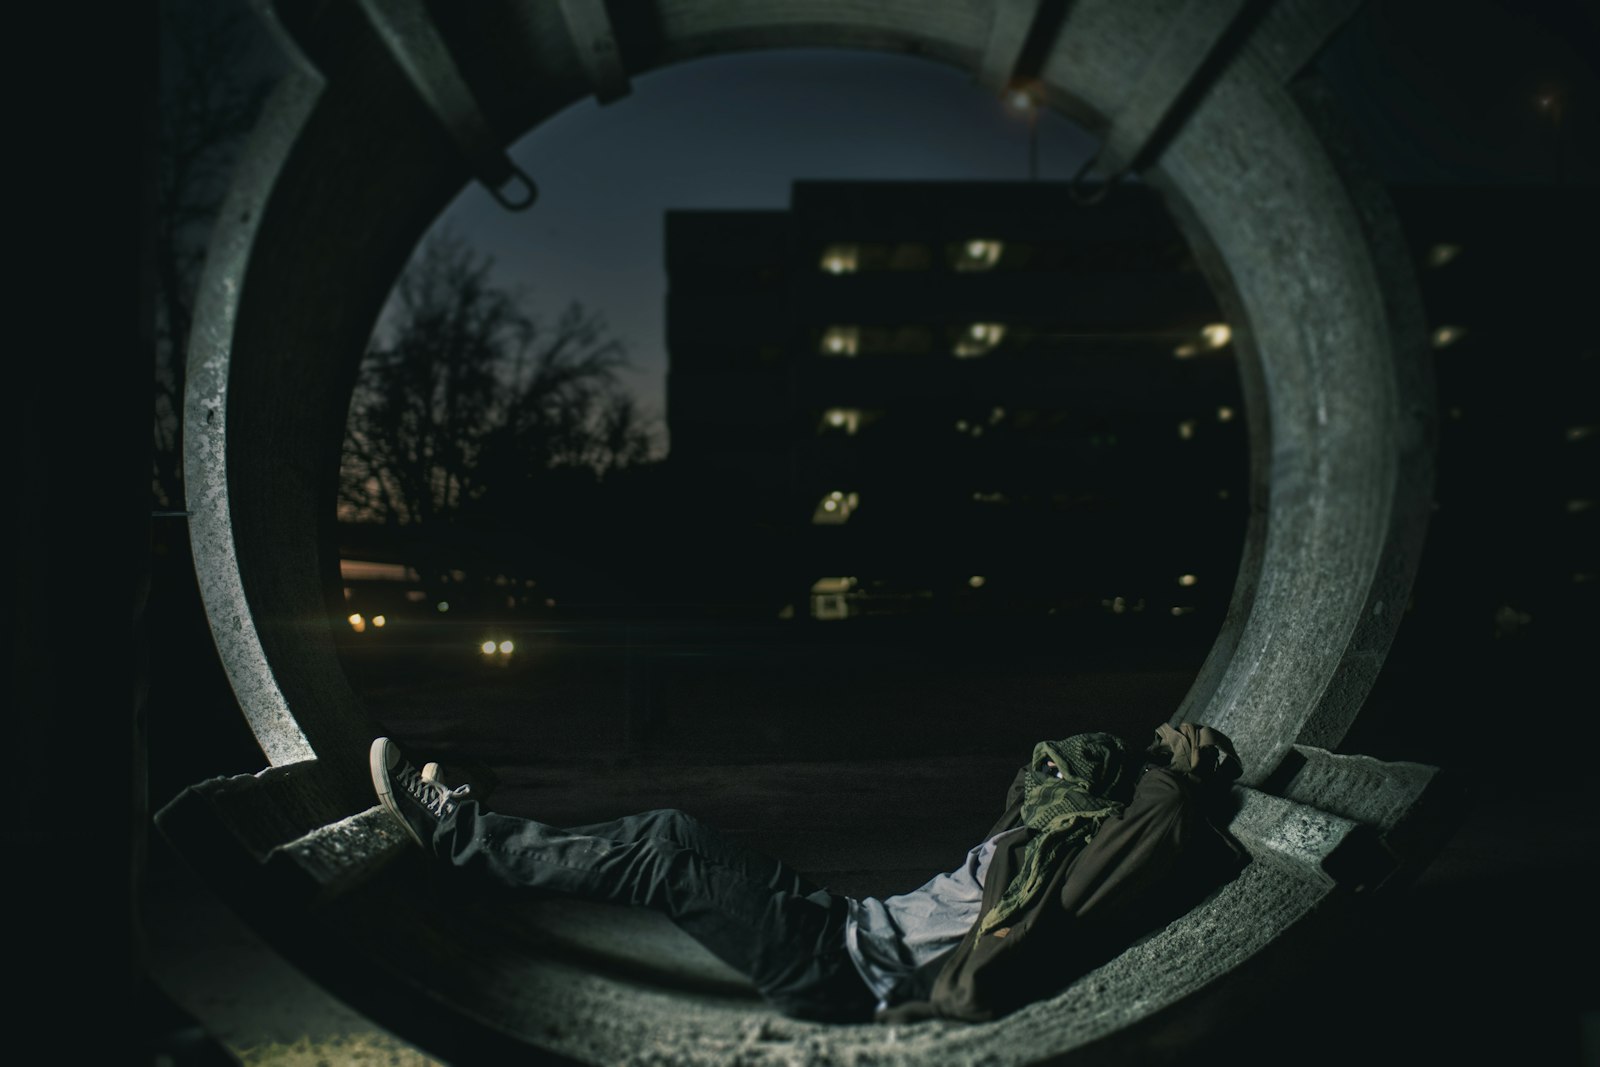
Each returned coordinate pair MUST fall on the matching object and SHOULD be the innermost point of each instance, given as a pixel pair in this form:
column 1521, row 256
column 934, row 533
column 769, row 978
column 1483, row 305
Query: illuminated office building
column 956, row 399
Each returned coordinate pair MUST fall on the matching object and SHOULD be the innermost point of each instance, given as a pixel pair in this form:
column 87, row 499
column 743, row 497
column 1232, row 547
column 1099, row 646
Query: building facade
column 909, row 399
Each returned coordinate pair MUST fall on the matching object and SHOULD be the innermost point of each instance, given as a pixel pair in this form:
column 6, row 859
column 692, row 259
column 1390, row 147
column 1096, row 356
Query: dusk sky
column 1473, row 98
column 735, row 131
column 731, row 132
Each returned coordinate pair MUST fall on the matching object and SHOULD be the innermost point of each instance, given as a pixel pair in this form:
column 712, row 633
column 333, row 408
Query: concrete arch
column 349, row 166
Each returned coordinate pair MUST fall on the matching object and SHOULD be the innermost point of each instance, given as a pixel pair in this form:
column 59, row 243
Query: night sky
column 1434, row 102
column 732, row 132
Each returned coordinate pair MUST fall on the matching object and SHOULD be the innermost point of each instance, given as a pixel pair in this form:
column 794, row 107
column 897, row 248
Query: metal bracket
column 1021, row 35
column 1193, row 53
column 596, row 46
column 287, row 24
column 1191, row 47
column 408, row 33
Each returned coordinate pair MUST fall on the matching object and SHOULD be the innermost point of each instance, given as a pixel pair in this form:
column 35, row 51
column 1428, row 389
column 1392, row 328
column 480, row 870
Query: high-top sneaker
column 418, row 800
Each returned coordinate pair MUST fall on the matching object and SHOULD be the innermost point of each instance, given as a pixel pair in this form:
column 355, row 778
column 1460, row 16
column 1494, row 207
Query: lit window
column 1217, row 334
column 416, row 596
column 835, row 508
column 1224, row 414
column 979, row 255
column 1187, row 579
column 841, row 341
column 379, row 621
column 1445, row 336
column 841, row 259
column 979, row 339
column 360, row 570
column 989, row 498
column 357, row 623
column 1186, row 429
column 841, row 420
column 829, row 606
column 1440, row 254
column 828, row 598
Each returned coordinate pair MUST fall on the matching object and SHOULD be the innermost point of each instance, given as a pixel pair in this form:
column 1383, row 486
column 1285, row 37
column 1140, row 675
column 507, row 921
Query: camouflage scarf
column 1063, row 811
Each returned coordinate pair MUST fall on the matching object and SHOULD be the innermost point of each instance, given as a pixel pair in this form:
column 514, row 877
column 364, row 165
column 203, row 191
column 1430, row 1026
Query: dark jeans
column 753, row 913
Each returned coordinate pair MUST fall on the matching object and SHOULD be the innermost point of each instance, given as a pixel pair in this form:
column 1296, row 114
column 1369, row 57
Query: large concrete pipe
column 382, row 120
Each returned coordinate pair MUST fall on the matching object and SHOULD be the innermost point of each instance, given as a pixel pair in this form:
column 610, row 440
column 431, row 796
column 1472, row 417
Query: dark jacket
column 1142, row 869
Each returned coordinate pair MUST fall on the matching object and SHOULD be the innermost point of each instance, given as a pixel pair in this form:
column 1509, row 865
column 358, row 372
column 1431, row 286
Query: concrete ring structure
column 351, row 163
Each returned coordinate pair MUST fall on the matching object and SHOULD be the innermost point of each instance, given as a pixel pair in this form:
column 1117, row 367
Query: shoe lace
column 432, row 793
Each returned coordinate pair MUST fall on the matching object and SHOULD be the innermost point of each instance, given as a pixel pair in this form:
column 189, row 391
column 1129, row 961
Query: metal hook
column 407, row 30
column 530, row 190
column 1076, row 185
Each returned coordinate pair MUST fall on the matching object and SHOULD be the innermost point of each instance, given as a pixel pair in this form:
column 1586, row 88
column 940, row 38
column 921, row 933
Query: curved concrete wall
column 347, row 170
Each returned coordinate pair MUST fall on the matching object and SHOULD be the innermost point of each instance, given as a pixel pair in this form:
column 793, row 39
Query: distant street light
column 1024, row 98
column 1550, row 103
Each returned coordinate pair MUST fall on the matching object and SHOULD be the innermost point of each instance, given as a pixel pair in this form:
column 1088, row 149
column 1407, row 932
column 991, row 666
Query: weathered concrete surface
column 1380, row 793
column 342, row 178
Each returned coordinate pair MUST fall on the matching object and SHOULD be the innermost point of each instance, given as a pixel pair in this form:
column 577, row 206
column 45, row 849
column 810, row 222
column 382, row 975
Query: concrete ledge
column 1289, row 835
column 341, row 855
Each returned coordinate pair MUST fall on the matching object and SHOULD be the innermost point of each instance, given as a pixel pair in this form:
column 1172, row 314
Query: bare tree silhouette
column 469, row 407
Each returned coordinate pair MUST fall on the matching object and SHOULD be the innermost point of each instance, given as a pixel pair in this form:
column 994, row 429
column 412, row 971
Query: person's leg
column 691, row 833
column 747, row 913
column 753, row 913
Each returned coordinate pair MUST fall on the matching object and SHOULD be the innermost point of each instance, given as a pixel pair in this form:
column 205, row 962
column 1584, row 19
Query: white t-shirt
column 889, row 939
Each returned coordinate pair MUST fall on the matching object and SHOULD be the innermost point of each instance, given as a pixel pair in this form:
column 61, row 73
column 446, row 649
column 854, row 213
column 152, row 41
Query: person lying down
column 1101, row 842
